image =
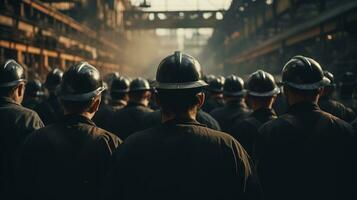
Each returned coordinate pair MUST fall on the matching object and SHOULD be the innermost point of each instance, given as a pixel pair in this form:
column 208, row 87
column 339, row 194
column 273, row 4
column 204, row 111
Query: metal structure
column 256, row 34
column 137, row 19
column 42, row 37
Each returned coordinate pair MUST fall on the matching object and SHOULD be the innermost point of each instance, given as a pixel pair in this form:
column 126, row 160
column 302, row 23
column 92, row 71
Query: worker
column 119, row 93
column 328, row 104
column 51, row 110
column 69, row 159
column 180, row 158
column 306, row 153
column 33, row 94
column 16, row 122
column 261, row 94
column 131, row 118
column 214, row 93
column 235, row 108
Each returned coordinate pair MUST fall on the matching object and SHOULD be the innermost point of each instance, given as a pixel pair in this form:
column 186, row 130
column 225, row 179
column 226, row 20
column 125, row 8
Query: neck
column 143, row 102
column 87, row 115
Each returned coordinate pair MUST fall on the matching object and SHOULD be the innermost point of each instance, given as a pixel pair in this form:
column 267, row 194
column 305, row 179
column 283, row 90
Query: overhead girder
column 172, row 19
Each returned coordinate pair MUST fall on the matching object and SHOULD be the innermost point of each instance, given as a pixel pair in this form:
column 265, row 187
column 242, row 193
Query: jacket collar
column 76, row 118
column 135, row 104
column 187, row 121
column 7, row 100
column 264, row 112
column 303, row 107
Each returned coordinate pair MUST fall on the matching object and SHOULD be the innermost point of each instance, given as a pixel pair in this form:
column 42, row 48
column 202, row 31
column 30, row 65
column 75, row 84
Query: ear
column 201, row 99
column 20, row 89
column 95, row 106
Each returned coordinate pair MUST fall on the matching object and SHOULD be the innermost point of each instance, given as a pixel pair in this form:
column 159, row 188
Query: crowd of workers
column 181, row 136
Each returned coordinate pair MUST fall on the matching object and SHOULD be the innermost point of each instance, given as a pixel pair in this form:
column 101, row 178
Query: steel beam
column 303, row 31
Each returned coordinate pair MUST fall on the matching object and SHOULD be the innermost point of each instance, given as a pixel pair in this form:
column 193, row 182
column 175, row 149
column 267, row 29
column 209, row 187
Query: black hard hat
column 34, row 88
column 233, row 86
column 262, row 84
column 331, row 77
column 179, row 71
column 11, row 74
column 349, row 78
column 303, row 73
column 81, row 82
column 208, row 78
column 215, row 85
column 139, row 84
column 54, row 78
column 120, row 84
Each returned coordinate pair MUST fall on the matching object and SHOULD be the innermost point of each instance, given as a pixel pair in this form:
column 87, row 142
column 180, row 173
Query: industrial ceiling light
column 269, row 2
column 145, row 4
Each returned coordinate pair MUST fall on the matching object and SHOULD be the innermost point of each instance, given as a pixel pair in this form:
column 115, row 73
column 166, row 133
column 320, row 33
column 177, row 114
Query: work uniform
column 116, row 105
column 66, row 160
column 307, row 154
column 103, row 116
column 130, row 119
column 50, row 110
column 154, row 118
column 31, row 103
column 181, row 159
column 212, row 103
column 232, row 111
column 337, row 109
column 16, row 122
column 246, row 131
column 354, row 124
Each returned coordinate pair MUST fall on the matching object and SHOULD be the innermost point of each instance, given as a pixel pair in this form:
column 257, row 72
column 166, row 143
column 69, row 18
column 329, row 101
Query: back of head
column 262, row 84
column 34, row 88
column 11, row 75
column 329, row 89
column 53, row 79
column 215, row 85
column 138, row 88
column 233, row 87
column 81, row 85
column 303, row 76
column 119, row 87
column 178, row 81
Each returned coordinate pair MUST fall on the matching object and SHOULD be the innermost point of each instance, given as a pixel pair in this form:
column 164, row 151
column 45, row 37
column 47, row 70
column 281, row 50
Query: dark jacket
column 16, row 123
column 246, row 130
column 337, row 109
column 212, row 103
column 66, row 160
column 354, row 125
column 50, row 110
column 232, row 111
column 202, row 117
column 103, row 116
column 307, row 154
column 182, row 159
column 31, row 103
column 130, row 119
column 116, row 105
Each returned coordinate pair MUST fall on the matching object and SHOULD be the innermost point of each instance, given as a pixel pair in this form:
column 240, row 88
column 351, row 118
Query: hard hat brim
column 12, row 83
column 235, row 94
column 82, row 97
column 273, row 92
column 324, row 82
column 180, row 86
